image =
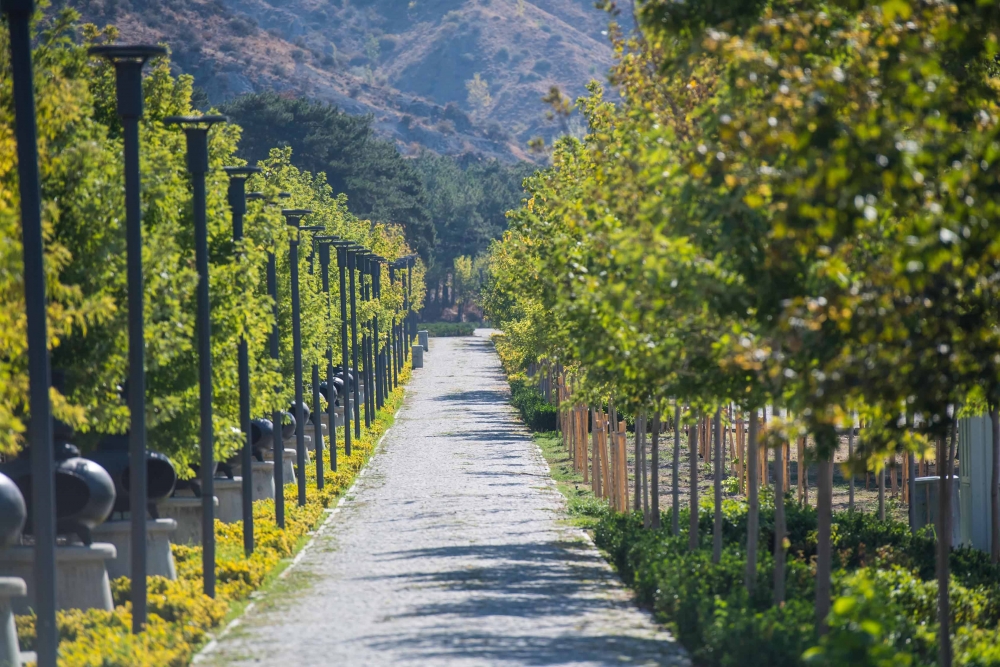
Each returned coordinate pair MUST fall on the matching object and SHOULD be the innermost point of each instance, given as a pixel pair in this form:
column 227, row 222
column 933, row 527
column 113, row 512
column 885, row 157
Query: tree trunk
column 645, row 472
column 779, row 529
column 717, row 525
column 850, row 456
column 637, row 491
column 693, row 527
column 824, row 510
column 753, row 460
column 995, row 487
column 881, row 493
column 675, row 472
column 944, row 551
column 654, row 456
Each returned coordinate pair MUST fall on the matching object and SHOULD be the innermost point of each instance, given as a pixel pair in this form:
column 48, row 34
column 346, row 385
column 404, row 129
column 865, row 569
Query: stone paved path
column 452, row 550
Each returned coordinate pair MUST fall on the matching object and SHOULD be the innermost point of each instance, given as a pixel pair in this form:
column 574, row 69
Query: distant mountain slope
column 454, row 76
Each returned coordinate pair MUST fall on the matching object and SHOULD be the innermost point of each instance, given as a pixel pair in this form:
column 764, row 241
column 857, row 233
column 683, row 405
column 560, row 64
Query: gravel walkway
column 451, row 550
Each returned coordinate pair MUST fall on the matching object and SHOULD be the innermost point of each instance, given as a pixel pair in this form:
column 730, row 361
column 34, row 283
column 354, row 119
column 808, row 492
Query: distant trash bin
column 418, row 356
column 424, row 339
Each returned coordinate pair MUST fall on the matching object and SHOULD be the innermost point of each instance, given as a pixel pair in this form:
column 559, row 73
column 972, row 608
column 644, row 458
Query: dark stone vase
column 13, row 511
column 85, row 492
column 112, row 454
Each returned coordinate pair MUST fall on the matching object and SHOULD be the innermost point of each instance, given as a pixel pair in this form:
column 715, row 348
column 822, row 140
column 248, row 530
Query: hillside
column 454, row 76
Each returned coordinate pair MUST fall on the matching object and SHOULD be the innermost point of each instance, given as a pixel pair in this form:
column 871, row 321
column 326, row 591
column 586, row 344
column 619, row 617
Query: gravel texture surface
column 452, row 549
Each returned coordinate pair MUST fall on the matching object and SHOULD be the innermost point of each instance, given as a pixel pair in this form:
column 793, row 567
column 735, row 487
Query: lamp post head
column 294, row 215
column 196, row 129
column 18, row 8
column 313, row 228
column 237, row 187
column 240, row 172
column 255, row 196
column 128, row 60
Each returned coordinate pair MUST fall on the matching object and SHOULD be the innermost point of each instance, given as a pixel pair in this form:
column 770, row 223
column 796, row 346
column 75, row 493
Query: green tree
column 379, row 183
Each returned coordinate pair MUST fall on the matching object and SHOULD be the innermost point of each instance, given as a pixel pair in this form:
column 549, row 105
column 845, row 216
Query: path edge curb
column 210, row 647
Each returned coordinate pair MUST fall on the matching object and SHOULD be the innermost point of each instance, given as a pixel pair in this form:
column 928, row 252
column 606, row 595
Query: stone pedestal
column 159, row 559
column 288, row 465
column 81, row 575
column 186, row 511
column 11, row 588
column 311, row 437
column 230, row 495
column 263, row 480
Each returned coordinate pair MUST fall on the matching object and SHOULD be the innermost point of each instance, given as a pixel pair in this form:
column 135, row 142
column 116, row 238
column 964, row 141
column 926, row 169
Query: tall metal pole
column 196, row 131
column 404, row 325
column 128, row 62
column 292, row 217
column 43, row 500
column 376, row 269
column 344, row 352
column 393, row 342
column 238, row 206
column 324, row 264
column 412, row 329
column 278, row 444
column 316, row 414
column 366, row 346
column 276, row 416
column 352, row 262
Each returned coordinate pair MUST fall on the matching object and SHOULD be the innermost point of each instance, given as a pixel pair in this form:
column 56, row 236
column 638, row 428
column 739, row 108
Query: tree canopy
column 380, row 184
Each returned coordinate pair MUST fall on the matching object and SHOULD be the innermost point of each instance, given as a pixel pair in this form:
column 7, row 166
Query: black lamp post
column 128, row 62
column 293, row 216
column 395, row 331
column 342, row 247
column 238, row 206
column 375, row 267
column 405, row 323
column 316, row 412
column 352, row 265
column 366, row 342
column 19, row 13
column 324, row 264
column 278, row 446
column 386, row 354
column 412, row 328
column 196, row 131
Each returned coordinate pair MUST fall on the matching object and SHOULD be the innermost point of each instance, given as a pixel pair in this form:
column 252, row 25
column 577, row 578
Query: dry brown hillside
column 451, row 75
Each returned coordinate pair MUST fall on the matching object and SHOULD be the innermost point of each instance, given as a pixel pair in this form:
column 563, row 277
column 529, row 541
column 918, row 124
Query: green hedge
column 884, row 612
column 443, row 329
column 537, row 413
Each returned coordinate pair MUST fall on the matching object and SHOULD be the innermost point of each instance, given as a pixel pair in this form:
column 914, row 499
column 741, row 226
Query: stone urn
column 13, row 511
column 261, row 437
column 85, row 492
column 161, row 477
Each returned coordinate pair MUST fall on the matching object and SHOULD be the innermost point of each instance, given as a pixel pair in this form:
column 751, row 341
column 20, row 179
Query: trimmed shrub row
column 884, row 611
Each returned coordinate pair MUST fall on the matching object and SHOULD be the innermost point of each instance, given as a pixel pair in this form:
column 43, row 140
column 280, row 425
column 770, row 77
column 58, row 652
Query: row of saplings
column 885, row 593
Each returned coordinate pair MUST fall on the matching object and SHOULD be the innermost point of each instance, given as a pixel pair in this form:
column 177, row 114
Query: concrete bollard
column 263, row 480
column 82, row 580
column 418, row 356
column 230, row 495
column 159, row 558
column 424, row 339
column 10, row 651
column 187, row 512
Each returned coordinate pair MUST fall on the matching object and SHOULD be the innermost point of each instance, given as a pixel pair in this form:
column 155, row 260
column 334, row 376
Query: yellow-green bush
column 180, row 615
